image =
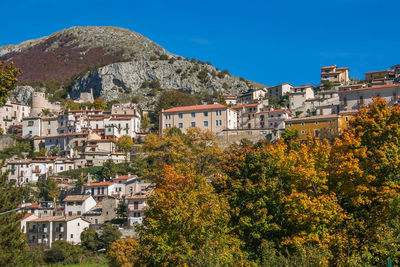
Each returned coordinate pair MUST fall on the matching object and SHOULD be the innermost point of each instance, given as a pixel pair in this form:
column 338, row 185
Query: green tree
column 90, row 240
column 62, row 251
column 290, row 135
column 223, row 101
column 99, row 104
column 122, row 209
column 109, row 234
column 12, row 242
column 49, row 190
column 109, row 170
column 145, row 122
column 8, row 79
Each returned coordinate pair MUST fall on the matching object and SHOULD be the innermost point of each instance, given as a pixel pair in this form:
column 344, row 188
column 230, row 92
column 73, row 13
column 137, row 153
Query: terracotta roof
column 120, row 118
column 63, row 135
column 245, row 106
column 123, row 177
column 378, row 71
column 100, row 140
column 141, row 196
column 76, row 198
column 85, row 110
column 371, row 88
column 47, row 219
column 34, row 205
column 196, row 107
column 98, row 184
column 348, row 112
column 66, row 218
column 27, row 215
column 313, row 118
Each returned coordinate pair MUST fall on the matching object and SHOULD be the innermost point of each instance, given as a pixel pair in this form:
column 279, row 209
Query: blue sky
column 270, row 42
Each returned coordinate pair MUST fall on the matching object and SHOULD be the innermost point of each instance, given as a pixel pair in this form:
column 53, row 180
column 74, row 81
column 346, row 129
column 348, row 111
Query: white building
column 12, row 114
column 78, row 204
column 298, row 95
column 99, row 190
column 279, row 90
column 46, row 230
column 354, row 99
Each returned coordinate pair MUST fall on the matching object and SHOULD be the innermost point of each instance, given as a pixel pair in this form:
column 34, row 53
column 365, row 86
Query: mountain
column 114, row 63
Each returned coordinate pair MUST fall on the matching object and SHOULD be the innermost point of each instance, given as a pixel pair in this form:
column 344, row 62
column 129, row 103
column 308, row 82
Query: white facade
column 31, row 126
column 355, row 99
column 99, row 190
column 78, row 204
column 280, row 90
column 298, row 95
column 12, row 114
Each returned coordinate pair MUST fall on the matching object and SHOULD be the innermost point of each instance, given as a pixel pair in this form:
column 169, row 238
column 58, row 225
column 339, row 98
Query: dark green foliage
column 155, row 84
column 202, row 75
column 49, row 190
column 21, row 146
column 225, row 86
column 109, row 234
column 290, row 135
column 222, row 74
column 12, row 242
column 108, row 170
column 163, row 57
column 62, row 251
column 122, row 209
column 128, row 90
column 90, row 240
column 153, row 58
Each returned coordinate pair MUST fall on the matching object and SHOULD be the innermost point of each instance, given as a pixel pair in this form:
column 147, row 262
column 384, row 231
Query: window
column 193, row 124
column 206, row 123
column 72, row 235
column 302, row 124
column 205, row 114
column 361, row 100
column 167, row 116
column 302, row 132
column 180, row 125
column 193, row 114
column 346, row 118
column 218, row 112
column 316, row 123
column 345, row 101
column 180, row 115
column 30, row 123
column 48, row 131
column 136, row 205
column 220, row 122
column 79, row 213
column 316, row 133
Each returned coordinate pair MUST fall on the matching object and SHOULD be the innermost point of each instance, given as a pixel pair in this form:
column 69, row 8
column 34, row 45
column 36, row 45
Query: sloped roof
column 76, row 198
column 195, row 107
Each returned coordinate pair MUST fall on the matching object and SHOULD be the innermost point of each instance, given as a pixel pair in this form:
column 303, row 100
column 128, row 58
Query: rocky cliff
column 116, row 63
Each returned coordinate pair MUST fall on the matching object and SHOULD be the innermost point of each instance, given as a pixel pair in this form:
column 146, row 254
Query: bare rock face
column 22, row 94
column 120, row 81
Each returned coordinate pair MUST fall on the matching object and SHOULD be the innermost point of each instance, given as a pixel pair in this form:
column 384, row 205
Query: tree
column 122, row 209
column 223, row 101
column 99, row 103
column 109, row 170
column 125, row 143
column 145, row 122
column 109, row 234
column 123, row 253
column 290, row 134
column 90, row 240
column 196, row 151
column 186, row 223
column 63, row 251
column 49, row 190
column 8, row 79
column 12, row 241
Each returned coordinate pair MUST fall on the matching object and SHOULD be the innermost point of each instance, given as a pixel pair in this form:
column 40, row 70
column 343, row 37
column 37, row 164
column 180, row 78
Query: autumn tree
column 8, row 79
column 187, row 223
column 125, row 143
column 123, row 253
column 195, row 151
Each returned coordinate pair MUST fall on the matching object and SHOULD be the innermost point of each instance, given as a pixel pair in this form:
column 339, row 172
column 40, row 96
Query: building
column 230, row 99
column 12, row 114
column 103, row 211
column 316, row 126
column 214, row 117
column 99, row 190
column 253, row 95
column 31, row 126
column 78, row 204
column 136, row 206
column 298, row 95
column 40, row 102
column 44, row 231
column 372, row 75
column 353, row 99
column 279, row 90
column 334, row 74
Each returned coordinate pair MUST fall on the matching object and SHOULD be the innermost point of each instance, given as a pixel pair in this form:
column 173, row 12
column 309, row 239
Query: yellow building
column 327, row 126
column 345, row 117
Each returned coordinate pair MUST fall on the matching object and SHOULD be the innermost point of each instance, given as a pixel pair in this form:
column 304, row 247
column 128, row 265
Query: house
column 253, row 95
column 298, row 95
column 279, row 90
column 99, row 190
column 27, row 217
column 78, row 204
column 353, row 99
column 44, row 231
column 247, row 115
column 273, row 119
column 230, row 99
column 372, row 75
column 31, row 126
column 12, row 114
column 136, row 206
column 214, row 117
column 121, row 181
column 334, row 74
column 122, row 125
column 316, row 126
column 103, row 211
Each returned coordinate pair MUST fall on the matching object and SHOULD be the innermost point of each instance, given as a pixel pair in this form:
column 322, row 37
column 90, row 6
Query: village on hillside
column 68, row 140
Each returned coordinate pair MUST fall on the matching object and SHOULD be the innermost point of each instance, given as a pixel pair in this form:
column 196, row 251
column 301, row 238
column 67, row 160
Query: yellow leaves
column 123, row 253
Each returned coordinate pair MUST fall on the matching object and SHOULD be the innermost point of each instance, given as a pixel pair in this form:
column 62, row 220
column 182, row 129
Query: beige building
column 12, row 114
column 298, row 95
column 214, row 117
column 44, row 231
column 253, row 95
column 356, row 98
column 280, row 90
column 335, row 74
